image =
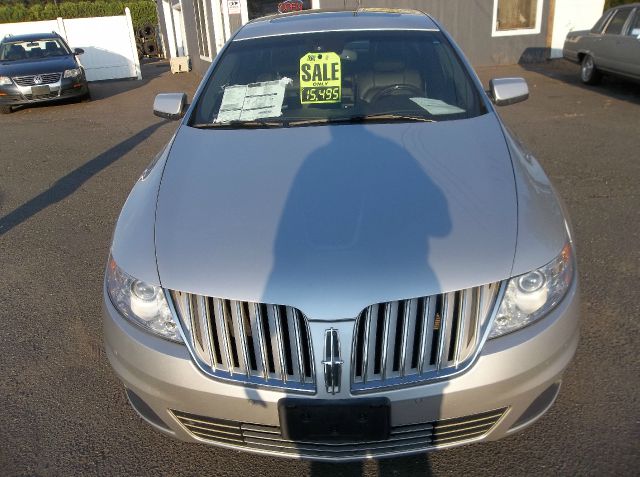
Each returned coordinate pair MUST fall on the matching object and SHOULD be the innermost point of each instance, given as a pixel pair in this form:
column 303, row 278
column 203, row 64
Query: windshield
column 338, row 76
column 27, row 50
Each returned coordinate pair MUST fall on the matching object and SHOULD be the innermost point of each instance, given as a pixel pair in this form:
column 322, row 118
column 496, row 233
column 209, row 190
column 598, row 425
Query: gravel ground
column 65, row 171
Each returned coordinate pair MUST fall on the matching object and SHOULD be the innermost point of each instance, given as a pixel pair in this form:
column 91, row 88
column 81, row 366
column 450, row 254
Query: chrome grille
column 47, row 78
column 253, row 343
column 402, row 439
column 411, row 341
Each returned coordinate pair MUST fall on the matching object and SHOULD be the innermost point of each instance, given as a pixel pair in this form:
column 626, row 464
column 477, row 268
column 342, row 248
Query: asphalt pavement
column 65, row 171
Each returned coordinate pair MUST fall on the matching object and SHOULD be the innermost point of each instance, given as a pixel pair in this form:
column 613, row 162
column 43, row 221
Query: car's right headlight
column 140, row 302
column 532, row 295
column 5, row 81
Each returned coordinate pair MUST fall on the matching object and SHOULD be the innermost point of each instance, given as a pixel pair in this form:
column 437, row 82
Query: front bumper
column 513, row 382
column 14, row 95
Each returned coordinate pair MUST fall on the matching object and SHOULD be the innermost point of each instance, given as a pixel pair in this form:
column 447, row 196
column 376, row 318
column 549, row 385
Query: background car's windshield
column 338, row 75
column 26, row 50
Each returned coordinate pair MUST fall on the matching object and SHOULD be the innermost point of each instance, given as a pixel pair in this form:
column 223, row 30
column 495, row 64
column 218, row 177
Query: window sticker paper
column 252, row 101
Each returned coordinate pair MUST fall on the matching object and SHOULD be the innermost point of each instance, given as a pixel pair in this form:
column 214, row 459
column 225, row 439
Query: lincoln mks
column 342, row 253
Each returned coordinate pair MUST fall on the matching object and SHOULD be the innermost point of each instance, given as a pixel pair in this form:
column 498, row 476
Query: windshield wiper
column 254, row 124
column 363, row 118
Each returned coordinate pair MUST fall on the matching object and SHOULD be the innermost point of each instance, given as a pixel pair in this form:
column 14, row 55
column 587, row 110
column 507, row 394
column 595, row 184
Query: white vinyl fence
column 108, row 42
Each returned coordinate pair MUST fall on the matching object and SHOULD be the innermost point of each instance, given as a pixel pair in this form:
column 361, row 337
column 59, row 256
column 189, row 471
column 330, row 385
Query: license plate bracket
column 41, row 90
column 321, row 420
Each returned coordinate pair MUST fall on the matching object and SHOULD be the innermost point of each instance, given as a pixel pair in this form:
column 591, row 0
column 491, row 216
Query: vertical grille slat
column 445, row 323
column 420, row 339
column 297, row 369
column 259, row 343
column 221, row 324
column 373, row 350
column 426, row 336
column 240, row 337
column 463, row 325
column 276, row 342
column 202, row 317
column 247, row 342
column 408, row 323
column 388, row 340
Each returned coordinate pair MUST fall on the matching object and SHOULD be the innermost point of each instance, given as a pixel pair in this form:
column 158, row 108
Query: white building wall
column 573, row 15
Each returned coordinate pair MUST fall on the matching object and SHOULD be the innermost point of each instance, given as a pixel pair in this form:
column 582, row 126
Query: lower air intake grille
column 408, row 438
column 247, row 342
column 411, row 341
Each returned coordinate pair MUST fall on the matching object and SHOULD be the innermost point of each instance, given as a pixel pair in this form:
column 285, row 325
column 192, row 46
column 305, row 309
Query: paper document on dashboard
column 436, row 106
column 252, row 101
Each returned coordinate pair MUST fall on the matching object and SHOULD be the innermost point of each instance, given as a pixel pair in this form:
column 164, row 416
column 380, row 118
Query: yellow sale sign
column 320, row 78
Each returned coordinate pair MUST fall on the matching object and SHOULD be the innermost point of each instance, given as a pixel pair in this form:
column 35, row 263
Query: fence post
column 62, row 29
column 132, row 39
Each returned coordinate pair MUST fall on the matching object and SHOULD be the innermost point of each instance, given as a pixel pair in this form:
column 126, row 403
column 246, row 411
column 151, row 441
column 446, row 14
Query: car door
column 606, row 50
column 628, row 47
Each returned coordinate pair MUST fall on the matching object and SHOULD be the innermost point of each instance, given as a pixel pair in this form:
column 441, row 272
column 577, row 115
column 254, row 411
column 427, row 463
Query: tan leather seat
column 389, row 69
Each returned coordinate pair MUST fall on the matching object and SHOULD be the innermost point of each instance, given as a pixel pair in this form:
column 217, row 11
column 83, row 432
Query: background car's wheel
column 86, row 97
column 589, row 74
column 5, row 110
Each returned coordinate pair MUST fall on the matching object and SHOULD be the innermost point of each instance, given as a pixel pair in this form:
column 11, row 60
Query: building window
column 517, row 17
column 202, row 29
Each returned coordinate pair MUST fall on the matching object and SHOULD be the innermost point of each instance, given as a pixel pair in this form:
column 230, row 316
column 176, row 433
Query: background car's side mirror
column 505, row 91
column 170, row 105
column 78, row 51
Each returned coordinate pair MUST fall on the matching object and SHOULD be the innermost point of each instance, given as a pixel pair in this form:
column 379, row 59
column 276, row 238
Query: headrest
column 391, row 65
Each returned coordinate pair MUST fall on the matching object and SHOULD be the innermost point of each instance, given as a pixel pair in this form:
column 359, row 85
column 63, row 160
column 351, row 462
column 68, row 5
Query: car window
column 335, row 76
column 617, row 22
column 34, row 49
column 597, row 28
column 635, row 25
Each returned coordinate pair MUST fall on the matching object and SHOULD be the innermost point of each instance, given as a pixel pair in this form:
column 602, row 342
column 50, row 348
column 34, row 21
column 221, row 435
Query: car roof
column 309, row 21
column 31, row 36
column 625, row 5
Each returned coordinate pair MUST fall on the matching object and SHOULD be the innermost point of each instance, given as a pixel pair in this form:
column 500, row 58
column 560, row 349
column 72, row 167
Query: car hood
column 331, row 219
column 34, row 67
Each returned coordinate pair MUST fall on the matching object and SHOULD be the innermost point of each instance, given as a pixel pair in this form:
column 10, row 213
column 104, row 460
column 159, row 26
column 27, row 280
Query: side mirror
column 170, row 105
column 78, row 51
column 505, row 91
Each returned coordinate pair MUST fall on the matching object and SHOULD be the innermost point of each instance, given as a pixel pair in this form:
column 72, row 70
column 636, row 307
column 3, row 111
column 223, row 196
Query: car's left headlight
column 141, row 303
column 5, row 81
column 531, row 296
column 74, row 73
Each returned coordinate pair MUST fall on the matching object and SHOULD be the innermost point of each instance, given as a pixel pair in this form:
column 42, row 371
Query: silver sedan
column 342, row 253
column 612, row 46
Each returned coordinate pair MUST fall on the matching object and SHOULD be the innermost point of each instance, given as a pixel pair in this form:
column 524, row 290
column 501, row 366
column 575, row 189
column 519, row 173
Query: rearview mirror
column 505, row 91
column 78, row 51
column 170, row 105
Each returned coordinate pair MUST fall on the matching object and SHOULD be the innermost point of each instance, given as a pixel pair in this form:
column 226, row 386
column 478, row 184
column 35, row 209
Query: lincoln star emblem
column 332, row 363
column 37, row 79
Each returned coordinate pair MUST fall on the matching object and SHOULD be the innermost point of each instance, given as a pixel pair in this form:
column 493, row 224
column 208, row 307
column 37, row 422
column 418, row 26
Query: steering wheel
column 397, row 90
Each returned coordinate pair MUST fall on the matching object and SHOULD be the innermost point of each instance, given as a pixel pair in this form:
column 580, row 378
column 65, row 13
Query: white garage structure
column 109, row 43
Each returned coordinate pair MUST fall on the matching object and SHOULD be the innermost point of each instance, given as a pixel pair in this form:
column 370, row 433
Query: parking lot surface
column 65, row 171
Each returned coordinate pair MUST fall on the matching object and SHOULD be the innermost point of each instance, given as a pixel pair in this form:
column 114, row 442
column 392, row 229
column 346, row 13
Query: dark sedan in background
column 612, row 46
column 39, row 67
